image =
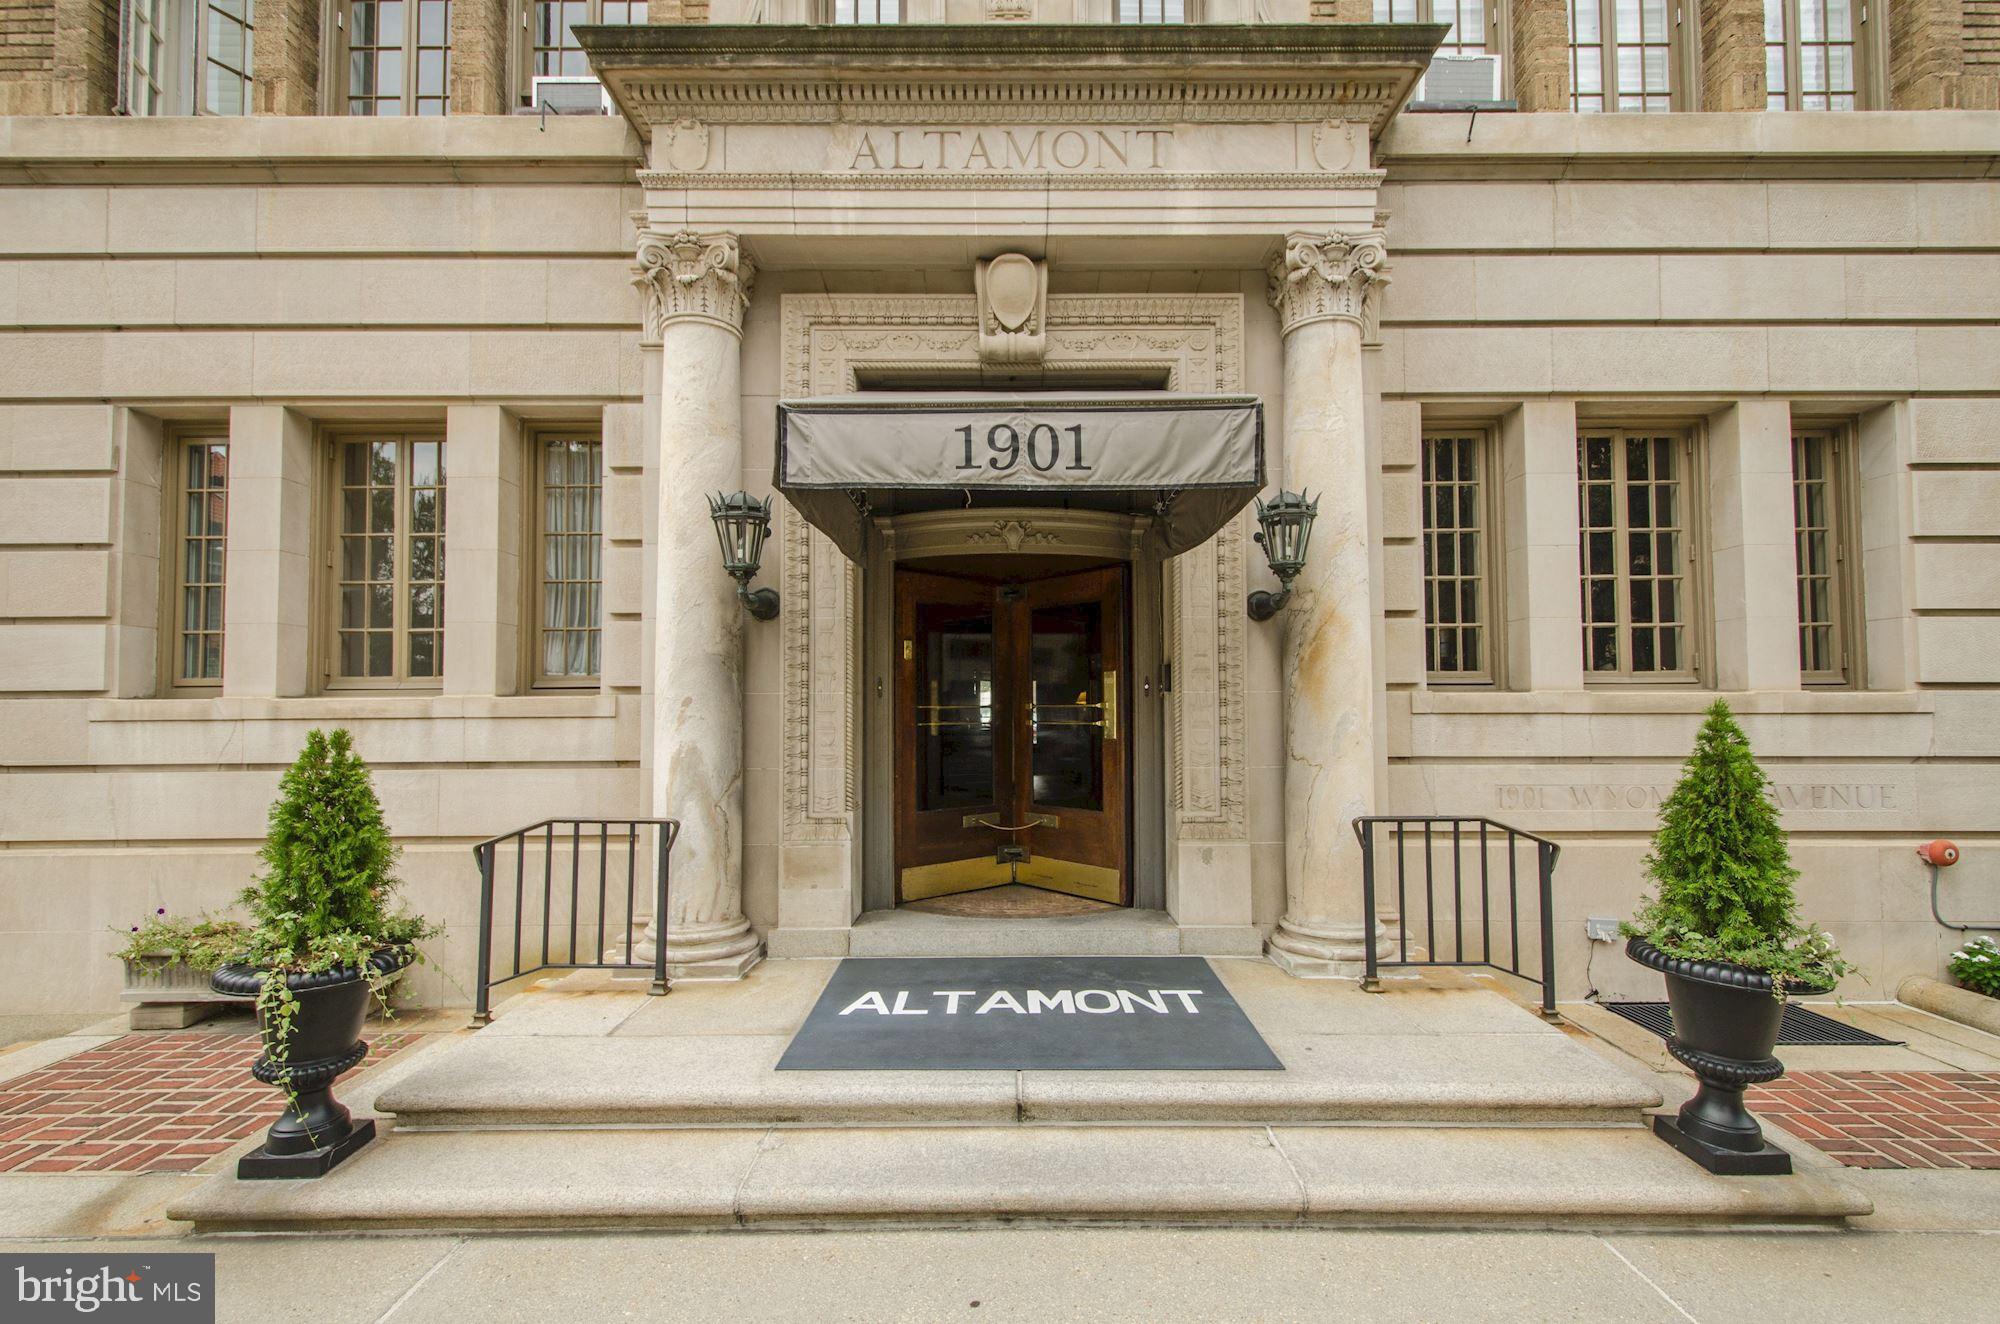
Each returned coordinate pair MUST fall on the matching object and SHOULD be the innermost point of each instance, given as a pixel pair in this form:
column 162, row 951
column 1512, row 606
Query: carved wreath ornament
column 705, row 276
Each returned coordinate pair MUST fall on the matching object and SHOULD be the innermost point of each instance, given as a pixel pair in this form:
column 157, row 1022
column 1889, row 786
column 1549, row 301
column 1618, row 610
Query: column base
column 1334, row 951
column 701, row 953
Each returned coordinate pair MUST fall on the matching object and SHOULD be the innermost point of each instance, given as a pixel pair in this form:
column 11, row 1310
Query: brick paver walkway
column 144, row 1103
column 1890, row 1119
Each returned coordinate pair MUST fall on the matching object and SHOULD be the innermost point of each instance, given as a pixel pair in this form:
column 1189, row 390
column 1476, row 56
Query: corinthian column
column 1325, row 287
column 697, row 287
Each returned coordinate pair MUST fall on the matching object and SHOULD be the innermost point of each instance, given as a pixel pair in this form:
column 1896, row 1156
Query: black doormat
column 1799, row 1026
column 1041, row 1013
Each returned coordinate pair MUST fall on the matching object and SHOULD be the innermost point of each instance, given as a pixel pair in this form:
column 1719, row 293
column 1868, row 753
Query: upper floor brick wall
column 62, row 57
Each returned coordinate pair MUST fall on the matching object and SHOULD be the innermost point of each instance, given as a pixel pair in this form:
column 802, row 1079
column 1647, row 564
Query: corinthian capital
column 1330, row 276
column 705, row 277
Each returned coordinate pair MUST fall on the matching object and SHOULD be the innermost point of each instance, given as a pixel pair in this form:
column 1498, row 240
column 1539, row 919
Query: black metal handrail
column 1492, row 835
column 610, row 925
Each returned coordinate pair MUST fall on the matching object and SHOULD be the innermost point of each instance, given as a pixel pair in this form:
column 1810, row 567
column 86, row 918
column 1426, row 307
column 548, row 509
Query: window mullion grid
column 1621, row 553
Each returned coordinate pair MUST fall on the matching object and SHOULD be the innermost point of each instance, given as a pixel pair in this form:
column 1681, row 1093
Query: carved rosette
column 703, row 277
column 1322, row 277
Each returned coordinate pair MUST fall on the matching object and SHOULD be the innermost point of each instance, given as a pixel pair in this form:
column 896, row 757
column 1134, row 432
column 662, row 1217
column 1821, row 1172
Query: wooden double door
column 1012, row 726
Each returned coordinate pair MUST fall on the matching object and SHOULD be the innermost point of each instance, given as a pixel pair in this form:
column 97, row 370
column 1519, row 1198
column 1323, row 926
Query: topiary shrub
column 326, row 899
column 1722, row 872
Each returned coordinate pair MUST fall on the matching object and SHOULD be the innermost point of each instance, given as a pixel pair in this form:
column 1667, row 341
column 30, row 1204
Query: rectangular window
column 572, row 558
column 224, row 59
column 1458, row 607
column 1811, row 57
column 1151, row 11
column 862, row 11
column 398, row 57
column 1473, row 32
column 199, row 556
column 146, row 62
column 1623, row 54
column 187, row 57
column 1820, row 519
column 389, row 593
column 556, row 52
column 1633, row 488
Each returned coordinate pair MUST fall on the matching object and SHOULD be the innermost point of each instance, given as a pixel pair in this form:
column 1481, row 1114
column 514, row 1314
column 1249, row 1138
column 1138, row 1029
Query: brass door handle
column 986, row 821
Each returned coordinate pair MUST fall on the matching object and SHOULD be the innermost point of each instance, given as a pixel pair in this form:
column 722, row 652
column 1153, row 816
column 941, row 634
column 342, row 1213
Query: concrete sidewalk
column 1152, row 1275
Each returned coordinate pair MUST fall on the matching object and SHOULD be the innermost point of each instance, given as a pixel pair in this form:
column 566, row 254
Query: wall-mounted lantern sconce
column 741, row 522
column 1287, row 524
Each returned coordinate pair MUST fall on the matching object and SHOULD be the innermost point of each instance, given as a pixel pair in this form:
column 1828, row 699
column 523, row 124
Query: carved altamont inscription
column 1605, row 797
column 1080, row 148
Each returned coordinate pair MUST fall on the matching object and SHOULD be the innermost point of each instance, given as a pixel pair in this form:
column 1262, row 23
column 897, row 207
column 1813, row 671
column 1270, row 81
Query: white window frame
column 531, row 34
column 1496, row 42
column 860, row 13
column 1683, row 58
column 174, row 79
column 1784, row 49
column 336, row 82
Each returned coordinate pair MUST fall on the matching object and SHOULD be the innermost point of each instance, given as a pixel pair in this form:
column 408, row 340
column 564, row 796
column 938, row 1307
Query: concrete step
column 490, row 1080
column 916, row 1176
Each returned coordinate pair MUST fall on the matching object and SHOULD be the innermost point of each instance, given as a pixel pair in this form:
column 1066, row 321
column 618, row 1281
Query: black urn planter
column 316, row 1132
column 1725, row 1027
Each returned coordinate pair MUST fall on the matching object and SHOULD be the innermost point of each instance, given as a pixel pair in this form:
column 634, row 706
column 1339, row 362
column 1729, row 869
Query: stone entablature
column 897, row 74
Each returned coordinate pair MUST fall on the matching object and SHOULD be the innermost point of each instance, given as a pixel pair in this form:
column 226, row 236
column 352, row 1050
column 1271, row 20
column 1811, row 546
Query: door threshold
column 1120, row 932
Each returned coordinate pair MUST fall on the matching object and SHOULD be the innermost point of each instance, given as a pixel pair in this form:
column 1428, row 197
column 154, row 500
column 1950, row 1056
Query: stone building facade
column 1497, row 346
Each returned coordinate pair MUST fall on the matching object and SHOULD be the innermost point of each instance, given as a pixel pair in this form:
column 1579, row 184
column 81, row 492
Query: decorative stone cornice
column 700, row 277
column 1322, row 277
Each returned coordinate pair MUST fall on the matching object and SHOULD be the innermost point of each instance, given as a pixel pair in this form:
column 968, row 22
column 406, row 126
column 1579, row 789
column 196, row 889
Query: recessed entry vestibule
column 1012, row 552
column 1013, row 726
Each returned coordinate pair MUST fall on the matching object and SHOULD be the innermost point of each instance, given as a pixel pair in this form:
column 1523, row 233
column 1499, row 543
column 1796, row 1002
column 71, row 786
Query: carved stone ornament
column 829, row 339
column 1013, row 295
column 686, row 145
column 1010, row 11
column 1337, row 143
column 1321, row 277
column 1016, row 533
column 705, row 277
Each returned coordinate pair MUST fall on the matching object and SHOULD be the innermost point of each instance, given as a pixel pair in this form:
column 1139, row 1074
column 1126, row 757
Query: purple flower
column 135, row 928
column 161, row 911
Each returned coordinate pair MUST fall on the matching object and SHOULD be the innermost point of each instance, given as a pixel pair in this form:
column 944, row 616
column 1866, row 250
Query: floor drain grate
column 1801, row 1026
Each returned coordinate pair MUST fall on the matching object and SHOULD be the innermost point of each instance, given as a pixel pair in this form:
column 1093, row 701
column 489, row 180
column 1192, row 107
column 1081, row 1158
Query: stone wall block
column 64, row 437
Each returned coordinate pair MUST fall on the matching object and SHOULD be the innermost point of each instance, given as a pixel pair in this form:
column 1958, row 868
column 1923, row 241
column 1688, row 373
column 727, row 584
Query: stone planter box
column 168, row 995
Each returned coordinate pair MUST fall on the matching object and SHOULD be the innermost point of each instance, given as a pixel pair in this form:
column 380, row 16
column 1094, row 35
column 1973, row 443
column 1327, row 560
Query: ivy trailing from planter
column 1722, row 871
column 325, row 904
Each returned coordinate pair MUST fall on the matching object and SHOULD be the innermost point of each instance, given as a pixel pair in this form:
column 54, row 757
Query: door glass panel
column 1067, row 672
column 954, row 708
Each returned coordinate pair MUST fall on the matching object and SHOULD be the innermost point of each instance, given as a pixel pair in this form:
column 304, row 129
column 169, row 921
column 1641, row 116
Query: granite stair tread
column 714, row 1080
column 1430, row 1175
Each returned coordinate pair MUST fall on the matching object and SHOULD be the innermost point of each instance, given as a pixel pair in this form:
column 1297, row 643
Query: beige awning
column 1189, row 461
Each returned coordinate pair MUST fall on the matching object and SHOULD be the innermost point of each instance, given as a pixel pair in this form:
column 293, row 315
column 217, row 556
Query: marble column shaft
column 697, row 288
column 1324, row 287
